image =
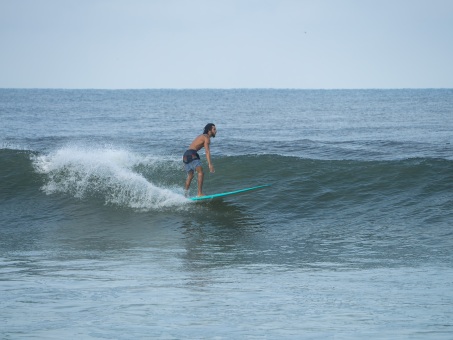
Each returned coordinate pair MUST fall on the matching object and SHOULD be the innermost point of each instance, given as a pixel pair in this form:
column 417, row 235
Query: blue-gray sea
column 353, row 239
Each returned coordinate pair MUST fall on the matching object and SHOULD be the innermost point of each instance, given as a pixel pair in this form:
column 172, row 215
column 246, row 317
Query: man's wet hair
column 208, row 128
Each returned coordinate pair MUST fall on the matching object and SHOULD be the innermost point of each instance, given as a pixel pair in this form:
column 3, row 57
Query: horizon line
column 224, row 88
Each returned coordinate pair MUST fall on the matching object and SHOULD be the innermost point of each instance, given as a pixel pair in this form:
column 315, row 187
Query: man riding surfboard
column 192, row 160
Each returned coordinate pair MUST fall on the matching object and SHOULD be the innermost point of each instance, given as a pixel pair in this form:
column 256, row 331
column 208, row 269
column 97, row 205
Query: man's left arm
column 207, row 142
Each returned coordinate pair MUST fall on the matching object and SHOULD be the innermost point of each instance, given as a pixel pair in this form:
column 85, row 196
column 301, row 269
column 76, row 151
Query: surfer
column 192, row 160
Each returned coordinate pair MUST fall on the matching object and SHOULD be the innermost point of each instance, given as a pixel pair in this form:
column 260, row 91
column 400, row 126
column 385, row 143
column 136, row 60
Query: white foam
column 108, row 174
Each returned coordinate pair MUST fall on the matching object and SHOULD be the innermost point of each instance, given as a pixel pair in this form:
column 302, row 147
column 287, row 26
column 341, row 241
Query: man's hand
column 211, row 168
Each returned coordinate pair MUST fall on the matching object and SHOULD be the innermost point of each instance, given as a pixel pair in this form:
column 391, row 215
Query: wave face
column 397, row 189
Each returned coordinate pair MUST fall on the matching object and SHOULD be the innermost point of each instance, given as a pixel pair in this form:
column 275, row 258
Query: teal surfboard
column 223, row 194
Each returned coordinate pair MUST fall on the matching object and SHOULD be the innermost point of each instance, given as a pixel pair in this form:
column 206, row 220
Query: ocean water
column 353, row 239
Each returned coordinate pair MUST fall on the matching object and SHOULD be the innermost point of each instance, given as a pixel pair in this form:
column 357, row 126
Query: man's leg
column 188, row 181
column 200, row 180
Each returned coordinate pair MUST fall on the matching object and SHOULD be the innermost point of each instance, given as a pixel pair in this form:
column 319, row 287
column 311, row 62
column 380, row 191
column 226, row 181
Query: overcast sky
column 308, row 44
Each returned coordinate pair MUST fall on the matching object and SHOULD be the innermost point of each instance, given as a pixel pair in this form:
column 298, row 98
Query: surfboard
column 223, row 194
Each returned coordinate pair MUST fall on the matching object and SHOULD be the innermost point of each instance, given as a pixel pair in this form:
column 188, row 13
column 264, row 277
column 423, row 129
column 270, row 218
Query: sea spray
column 106, row 174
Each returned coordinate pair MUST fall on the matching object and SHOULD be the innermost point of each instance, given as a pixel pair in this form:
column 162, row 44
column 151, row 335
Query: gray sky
column 226, row 44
